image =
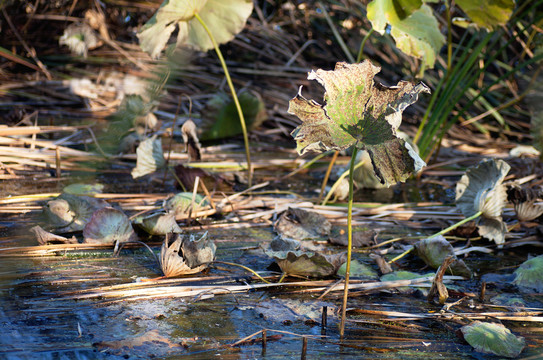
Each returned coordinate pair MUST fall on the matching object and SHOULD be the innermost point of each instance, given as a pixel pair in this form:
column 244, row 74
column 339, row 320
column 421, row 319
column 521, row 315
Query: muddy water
column 41, row 317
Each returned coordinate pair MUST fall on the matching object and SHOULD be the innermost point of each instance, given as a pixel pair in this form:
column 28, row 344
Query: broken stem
column 349, row 244
column 234, row 96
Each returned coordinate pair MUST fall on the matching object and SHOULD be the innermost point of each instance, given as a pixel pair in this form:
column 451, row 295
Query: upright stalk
column 234, row 96
column 349, row 243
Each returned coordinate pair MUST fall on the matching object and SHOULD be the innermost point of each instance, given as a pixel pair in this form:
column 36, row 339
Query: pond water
column 45, row 314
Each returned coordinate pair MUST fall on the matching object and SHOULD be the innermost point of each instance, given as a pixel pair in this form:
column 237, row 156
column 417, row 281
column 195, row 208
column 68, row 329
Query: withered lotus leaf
column 181, row 255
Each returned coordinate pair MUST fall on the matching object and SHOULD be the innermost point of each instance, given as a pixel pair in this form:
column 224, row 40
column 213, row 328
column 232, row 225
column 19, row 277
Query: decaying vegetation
column 137, row 164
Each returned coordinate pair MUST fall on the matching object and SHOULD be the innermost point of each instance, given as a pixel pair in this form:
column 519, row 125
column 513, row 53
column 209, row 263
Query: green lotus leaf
column 67, row 213
column 361, row 111
column 307, row 263
column 493, row 338
column 358, row 270
column 413, row 27
column 529, row 275
column 488, row 13
column 300, row 224
column 221, row 118
column 181, row 256
column 181, row 203
column 159, row 223
column 224, row 18
column 83, row 189
column 150, row 157
column 481, row 189
column 108, row 226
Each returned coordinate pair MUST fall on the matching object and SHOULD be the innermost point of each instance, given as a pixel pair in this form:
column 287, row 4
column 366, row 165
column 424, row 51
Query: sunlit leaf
column 300, row 224
column 182, row 255
column 493, row 338
column 150, row 157
column 108, row 226
column 159, row 223
column 221, row 118
column 481, row 189
column 361, row 111
column 529, row 275
column 68, row 212
column 415, row 30
column 434, row 250
column 307, row 263
column 225, row 18
column 487, row 13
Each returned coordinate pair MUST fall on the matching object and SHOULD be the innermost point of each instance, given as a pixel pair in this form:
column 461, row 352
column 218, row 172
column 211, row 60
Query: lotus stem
column 442, row 232
column 234, row 96
column 363, row 44
column 460, row 223
column 349, row 243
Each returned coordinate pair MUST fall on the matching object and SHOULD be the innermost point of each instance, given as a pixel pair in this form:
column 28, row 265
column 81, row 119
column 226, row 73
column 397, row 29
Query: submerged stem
column 349, row 243
column 234, row 96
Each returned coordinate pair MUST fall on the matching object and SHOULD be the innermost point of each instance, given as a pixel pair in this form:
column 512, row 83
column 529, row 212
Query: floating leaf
column 159, row 223
column 487, row 13
column 225, row 18
column 434, row 250
column 281, row 310
column 185, row 256
column 221, row 117
column 181, row 203
column 529, row 275
column 150, row 157
column 361, row 111
column 307, row 263
column 83, row 189
column 358, row 270
column 414, row 28
column 492, row 338
column 481, row 189
column 300, row 224
column 108, row 226
column 68, row 212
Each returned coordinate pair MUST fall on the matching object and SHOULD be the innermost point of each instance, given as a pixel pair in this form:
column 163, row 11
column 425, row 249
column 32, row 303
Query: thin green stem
column 460, row 223
column 442, row 232
column 234, row 96
column 338, row 37
column 362, row 45
column 349, row 243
